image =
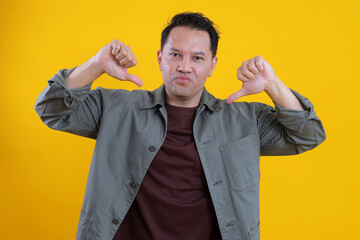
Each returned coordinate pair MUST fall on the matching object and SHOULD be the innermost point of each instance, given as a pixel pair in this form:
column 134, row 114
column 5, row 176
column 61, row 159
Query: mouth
column 183, row 79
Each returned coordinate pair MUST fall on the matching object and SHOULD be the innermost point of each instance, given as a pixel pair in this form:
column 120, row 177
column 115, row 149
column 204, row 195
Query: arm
column 284, row 131
column 68, row 104
column 113, row 59
column 292, row 127
column 257, row 75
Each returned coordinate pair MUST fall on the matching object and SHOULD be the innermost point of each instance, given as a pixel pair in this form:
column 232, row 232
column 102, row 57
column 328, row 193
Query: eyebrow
column 196, row 53
column 174, row 49
column 199, row 53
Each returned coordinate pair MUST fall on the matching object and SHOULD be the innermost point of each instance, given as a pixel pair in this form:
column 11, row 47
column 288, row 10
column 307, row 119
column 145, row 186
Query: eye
column 175, row 54
column 198, row 58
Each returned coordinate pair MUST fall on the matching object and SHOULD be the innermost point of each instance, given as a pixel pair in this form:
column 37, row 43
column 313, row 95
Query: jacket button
column 115, row 221
column 152, row 149
column 68, row 100
column 133, row 185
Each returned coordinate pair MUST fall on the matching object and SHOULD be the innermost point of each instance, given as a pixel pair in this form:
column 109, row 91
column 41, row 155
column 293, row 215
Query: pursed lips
column 183, row 78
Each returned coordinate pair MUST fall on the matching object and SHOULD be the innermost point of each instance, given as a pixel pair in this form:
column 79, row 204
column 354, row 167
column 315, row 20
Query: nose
column 184, row 66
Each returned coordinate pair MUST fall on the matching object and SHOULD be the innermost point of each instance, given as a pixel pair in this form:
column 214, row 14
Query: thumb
column 133, row 78
column 236, row 96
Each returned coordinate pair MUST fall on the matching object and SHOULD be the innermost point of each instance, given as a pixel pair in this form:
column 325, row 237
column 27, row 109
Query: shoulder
column 122, row 95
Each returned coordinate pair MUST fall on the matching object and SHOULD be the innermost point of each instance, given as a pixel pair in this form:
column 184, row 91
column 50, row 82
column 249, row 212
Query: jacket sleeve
column 76, row 111
column 287, row 132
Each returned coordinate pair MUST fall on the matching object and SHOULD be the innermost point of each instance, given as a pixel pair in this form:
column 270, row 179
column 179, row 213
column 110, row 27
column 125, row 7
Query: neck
column 183, row 102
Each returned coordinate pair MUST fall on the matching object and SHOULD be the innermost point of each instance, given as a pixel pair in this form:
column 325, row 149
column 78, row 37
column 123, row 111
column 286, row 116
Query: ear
column 213, row 65
column 159, row 58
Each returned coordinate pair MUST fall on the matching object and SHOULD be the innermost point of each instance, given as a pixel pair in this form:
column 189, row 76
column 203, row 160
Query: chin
column 182, row 94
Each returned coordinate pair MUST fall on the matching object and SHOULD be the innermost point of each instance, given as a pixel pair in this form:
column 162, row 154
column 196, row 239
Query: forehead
column 185, row 38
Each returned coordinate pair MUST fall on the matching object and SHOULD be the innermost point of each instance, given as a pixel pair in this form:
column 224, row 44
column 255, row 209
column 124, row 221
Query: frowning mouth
column 183, row 79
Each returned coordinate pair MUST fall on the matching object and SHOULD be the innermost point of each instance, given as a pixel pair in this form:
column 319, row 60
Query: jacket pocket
column 241, row 159
column 83, row 227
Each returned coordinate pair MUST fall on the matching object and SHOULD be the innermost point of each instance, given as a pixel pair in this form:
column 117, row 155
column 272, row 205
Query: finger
column 123, row 53
column 128, row 61
column 259, row 62
column 131, row 64
column 241, row 77
column 124, row 61
column 133, row 78
column 236, row 96
column 115, row 45
column 252, row 67
column 245, row 71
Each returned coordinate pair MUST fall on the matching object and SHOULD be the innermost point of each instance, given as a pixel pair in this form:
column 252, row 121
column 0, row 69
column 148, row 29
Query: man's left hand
column 256, row 75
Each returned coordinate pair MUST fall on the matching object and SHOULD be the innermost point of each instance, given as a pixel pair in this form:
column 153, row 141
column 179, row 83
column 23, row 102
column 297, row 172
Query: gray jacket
column 130, row 127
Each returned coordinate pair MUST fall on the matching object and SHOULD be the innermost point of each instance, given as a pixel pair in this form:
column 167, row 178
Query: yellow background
column 313, row 47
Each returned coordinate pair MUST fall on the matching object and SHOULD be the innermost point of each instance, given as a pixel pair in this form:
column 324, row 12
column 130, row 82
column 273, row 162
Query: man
column 176, row 163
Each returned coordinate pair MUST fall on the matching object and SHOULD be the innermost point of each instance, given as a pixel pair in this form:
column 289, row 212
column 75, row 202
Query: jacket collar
column 209, row 101
column 157, row 98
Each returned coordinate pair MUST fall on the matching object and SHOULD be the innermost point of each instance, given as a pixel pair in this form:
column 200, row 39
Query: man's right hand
column 115, row 58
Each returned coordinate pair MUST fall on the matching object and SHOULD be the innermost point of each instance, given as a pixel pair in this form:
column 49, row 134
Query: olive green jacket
column 130, row 127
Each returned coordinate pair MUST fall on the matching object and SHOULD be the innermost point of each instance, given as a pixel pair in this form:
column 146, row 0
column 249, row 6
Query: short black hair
column 194, row 21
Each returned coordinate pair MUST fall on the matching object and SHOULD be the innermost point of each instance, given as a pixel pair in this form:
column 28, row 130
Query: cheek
column 165, row 67
column 166, row 73
column 204, row 72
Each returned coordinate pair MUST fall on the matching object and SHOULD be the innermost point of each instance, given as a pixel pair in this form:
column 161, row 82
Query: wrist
column 282, row 95
column 275, row 88
column 96, row 67
column 84, row 74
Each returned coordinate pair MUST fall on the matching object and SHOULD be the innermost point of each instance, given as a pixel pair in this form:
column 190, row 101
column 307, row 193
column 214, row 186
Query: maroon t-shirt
column 173, row 201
